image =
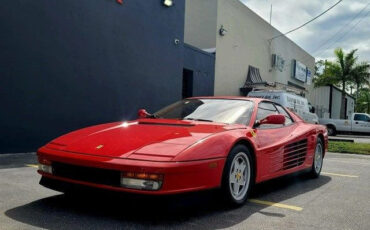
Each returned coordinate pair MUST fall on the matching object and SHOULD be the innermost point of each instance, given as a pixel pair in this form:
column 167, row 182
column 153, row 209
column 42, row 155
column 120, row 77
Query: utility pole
column 270, row 13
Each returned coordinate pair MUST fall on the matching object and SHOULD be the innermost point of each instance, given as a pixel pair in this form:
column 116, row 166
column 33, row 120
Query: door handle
column 356, row 122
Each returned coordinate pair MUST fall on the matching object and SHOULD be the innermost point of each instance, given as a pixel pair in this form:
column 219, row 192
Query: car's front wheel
column 238, row 175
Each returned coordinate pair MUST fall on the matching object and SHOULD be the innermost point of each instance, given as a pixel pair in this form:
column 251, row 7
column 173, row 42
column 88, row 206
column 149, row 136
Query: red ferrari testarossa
column 194, row 144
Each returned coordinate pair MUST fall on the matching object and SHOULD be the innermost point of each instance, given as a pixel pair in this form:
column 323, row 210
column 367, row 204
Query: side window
column 288, row 119
column 361, row 117
column 265, row 109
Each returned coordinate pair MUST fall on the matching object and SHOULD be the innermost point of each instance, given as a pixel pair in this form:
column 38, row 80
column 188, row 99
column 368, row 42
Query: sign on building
column 299, row 71
column 309, row 78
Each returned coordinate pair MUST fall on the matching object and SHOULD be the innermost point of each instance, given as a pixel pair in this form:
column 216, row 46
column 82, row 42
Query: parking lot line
column 279, row 205
column 348, row 162
column 337, row 174
column 32, row 165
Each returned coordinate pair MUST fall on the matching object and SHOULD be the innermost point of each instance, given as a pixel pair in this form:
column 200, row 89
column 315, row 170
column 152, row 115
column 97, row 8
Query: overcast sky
column 333, row 29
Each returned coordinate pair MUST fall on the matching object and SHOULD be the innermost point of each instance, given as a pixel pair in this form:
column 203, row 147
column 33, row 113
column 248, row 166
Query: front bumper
column 179, row 177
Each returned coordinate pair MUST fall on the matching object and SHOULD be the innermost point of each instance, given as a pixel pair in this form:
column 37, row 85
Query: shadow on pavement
column 201, row 210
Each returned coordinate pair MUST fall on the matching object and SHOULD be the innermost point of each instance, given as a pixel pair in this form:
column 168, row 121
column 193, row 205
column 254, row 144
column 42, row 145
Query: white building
column 327, row 101
column 243, row 46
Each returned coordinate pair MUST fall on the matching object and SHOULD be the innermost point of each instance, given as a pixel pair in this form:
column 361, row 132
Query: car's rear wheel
column 238, row 175
column 317, row 159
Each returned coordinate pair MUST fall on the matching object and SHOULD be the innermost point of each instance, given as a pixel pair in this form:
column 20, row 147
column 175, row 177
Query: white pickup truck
column 359, row 123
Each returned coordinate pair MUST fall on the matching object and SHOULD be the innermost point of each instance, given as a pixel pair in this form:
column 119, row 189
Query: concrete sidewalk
column 351, row 138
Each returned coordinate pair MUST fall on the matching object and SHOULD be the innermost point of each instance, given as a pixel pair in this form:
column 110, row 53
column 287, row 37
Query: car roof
column 255, row 99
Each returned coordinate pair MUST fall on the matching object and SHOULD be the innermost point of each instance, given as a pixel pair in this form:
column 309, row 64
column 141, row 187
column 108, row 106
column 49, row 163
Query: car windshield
column 228, row 111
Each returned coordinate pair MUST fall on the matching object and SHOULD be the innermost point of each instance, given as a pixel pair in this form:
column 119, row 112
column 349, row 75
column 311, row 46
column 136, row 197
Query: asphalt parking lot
column 339, row 199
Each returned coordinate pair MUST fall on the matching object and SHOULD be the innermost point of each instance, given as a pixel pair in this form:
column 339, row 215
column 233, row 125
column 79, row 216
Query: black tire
column 331, row 130
column 238, row 152
column 315, row 171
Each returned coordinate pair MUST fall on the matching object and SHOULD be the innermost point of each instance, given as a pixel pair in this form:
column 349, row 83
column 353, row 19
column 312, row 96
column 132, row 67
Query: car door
column 361, row 123
column 271, row 139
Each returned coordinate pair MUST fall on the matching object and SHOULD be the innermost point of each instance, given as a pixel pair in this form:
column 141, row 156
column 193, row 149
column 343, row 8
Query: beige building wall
column 245, row 43
column 201, row 23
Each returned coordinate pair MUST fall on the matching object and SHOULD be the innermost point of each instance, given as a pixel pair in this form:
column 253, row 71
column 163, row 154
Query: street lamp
column 167, row 3
column 222, row 31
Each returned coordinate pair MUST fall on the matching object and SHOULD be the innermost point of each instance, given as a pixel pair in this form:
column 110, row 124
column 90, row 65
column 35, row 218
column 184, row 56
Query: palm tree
column 361, row 76
column 340, row 72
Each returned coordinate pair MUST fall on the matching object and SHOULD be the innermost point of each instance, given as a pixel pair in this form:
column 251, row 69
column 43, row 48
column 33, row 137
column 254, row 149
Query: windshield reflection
column 228, row 111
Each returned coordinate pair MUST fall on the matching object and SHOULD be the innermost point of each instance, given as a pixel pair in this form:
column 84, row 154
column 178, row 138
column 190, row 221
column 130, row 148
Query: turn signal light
column 143, row 175
column 142, row 180
column 44, row 161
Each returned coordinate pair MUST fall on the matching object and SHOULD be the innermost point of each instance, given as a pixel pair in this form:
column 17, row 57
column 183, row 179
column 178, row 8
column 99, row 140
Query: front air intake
column 295, row 154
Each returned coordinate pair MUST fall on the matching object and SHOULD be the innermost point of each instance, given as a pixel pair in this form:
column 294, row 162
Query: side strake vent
column 295, row 154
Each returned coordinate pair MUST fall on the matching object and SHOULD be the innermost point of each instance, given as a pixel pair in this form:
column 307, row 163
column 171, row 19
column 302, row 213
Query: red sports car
column 194, row 144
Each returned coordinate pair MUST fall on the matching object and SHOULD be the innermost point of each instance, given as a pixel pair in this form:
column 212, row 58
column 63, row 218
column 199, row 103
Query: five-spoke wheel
column 239, row 178
column 238, row 174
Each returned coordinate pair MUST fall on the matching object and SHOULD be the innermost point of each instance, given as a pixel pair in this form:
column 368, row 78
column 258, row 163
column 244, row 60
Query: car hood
column 143, row 139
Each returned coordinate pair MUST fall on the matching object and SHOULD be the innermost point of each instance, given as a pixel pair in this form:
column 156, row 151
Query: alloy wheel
column 239, row 176
column 318, row 158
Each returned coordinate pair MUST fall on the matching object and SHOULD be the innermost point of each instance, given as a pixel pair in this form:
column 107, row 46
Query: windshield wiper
column 197, row 119
column 153, row 116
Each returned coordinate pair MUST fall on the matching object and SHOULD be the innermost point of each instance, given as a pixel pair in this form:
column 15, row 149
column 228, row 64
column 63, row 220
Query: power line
column 341, row 29
column 350, row 30
column 290, row 31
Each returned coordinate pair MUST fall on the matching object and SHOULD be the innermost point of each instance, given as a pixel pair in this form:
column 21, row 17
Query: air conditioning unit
column 277, row 62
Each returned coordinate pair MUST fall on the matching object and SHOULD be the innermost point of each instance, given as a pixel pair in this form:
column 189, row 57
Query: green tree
column 363, row 101
column 361, row 76
column 322, row 78
column 319, row 65
column 340, row 72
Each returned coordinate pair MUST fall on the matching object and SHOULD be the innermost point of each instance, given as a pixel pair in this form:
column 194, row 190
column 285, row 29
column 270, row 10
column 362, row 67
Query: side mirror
column 142, row 113
column 273, row 119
